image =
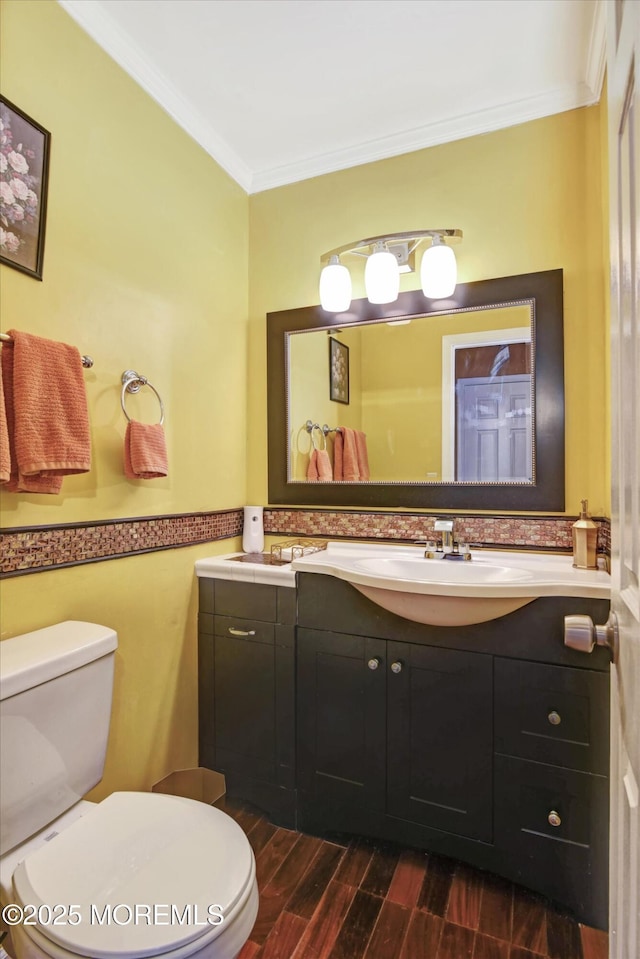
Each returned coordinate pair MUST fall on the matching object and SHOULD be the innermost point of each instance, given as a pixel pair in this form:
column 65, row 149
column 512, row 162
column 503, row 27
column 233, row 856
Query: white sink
column 454, row 572
column 440, row 592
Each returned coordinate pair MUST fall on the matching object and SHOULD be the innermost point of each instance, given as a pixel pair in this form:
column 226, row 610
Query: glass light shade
column 335, row 287
column 382, row 277
column 438, row 271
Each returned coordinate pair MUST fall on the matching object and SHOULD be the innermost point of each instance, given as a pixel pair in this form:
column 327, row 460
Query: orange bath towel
column 5, row 451
column 145, row 451
column 46, row 410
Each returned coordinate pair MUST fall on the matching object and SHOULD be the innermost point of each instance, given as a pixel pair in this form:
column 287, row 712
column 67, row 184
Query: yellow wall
column 527, row 198
column 145, row 267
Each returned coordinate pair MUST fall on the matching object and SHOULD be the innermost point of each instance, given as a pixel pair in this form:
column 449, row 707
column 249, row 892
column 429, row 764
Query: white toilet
column 139, row 874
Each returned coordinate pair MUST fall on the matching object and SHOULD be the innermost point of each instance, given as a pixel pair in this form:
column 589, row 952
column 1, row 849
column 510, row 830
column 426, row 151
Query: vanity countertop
column 490, row 572
column 247, row 568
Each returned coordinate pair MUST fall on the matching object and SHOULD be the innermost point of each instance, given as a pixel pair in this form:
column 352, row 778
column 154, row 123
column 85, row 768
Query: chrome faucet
column 445, row 526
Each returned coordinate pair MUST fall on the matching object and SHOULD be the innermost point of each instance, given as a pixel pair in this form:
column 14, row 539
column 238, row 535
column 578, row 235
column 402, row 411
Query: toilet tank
column 55, row 705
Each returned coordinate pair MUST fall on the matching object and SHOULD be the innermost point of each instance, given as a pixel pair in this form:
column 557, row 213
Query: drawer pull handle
column 396, row 667
column 554, row 718
column 554, row 819
column 241, row 632
column 374, row 663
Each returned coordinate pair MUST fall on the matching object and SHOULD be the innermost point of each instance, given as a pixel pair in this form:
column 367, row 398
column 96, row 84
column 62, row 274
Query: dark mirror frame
column 546, row 493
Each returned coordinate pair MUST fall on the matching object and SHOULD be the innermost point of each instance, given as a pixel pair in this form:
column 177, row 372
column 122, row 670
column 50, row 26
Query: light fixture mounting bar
column 364, row 247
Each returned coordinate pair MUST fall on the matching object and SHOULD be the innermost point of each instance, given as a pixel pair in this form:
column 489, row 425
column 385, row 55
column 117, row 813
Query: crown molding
column 597, row 54
column 457, row 128
column 91, row 17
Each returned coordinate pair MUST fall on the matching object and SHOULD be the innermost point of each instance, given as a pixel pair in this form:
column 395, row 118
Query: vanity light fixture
column 335, row 286
column 387, row 256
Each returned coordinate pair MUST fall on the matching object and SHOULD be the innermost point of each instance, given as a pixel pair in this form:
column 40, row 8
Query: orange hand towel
column 145, row 451
column 51, row 416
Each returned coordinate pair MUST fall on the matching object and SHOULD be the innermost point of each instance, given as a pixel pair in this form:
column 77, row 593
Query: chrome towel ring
column 132, row 382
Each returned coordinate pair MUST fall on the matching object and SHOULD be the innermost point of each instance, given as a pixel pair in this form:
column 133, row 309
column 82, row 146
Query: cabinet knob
column 554, row 718
column 241, row 632
column 554, row 819
column 396, row 667
column 374, row 663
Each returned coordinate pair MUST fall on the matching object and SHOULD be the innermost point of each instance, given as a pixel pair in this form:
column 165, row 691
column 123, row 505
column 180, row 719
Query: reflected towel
column 362, row 455
column 145, row 451
column 312, row 468
column 350, row 457
column 325, row 473
column 350, row 470
column 338, row 455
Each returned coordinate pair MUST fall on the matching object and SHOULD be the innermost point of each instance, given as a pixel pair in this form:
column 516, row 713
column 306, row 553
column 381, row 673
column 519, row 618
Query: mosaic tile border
column 532, row 532
column 36, row 549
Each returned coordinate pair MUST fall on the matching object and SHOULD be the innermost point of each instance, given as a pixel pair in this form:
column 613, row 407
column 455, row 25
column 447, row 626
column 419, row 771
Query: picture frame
column 338, row 371
column 24, row 175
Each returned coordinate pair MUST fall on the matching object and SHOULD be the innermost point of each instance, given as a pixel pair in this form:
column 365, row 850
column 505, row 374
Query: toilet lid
column 147, row 873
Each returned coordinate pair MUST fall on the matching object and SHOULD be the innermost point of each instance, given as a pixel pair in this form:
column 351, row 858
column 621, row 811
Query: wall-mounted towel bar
column 87, row 361
column 310, row 425
column 132, row 382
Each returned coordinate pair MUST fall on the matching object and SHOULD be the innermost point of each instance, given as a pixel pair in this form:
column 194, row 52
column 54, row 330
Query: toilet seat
column 138, row 850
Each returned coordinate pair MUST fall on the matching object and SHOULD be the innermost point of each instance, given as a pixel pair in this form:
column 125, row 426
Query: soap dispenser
column 585, row 539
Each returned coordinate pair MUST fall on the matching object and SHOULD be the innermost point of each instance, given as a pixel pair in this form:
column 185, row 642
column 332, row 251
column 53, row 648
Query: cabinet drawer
column 251, row 600
column 552, row 714
column 536, row 803
column 252, row 630
column 568, row 861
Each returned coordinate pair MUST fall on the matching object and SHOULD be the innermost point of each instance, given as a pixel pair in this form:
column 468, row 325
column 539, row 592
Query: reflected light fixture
column 387, row 256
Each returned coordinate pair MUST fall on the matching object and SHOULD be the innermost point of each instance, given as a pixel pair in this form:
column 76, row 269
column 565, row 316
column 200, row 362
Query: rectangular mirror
column 461, row 402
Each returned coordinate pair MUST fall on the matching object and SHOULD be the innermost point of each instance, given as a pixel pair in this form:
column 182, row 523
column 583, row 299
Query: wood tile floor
column 364, row 899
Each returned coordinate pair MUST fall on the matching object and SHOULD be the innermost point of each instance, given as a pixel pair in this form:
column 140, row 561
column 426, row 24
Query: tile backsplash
column 38, row 548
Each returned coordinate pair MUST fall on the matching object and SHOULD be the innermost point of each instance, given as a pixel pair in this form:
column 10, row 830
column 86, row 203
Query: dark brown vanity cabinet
column 486, row 743
column 392, row 728
column 246, row 649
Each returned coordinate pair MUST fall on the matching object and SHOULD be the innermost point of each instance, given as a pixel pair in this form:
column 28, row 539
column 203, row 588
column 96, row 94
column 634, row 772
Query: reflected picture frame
column 338, row 371
column 24, row 175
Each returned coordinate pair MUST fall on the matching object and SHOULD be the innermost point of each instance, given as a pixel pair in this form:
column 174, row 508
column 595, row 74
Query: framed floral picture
column 24, row 170
column 338, row 371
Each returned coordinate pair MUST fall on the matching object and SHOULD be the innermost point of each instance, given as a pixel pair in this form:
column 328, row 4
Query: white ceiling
column 281, row 90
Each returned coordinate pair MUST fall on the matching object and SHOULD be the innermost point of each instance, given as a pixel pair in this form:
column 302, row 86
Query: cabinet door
column 341, row 718
column 440, row 738
column 244, row 707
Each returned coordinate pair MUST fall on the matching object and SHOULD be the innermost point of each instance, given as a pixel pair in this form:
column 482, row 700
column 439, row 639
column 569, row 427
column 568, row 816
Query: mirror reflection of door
column 493, row 430
column 493, row 413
